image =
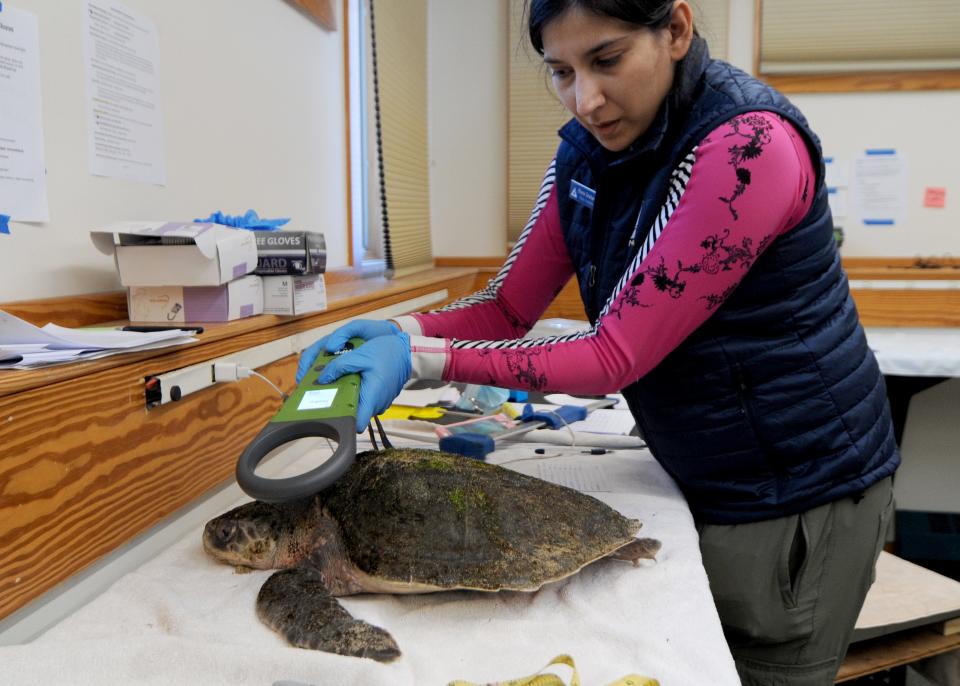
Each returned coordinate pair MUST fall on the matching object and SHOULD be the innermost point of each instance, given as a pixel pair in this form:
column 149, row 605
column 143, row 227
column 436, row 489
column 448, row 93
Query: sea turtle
column 413, row 521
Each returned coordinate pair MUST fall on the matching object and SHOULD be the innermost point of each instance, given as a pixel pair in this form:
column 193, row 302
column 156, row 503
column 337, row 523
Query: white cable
column 259, row 375
column 231, row 371
column 552, row 456
column 573, row 436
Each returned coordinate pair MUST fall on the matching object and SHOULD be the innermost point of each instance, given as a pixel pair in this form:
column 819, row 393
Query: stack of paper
column 23, row 345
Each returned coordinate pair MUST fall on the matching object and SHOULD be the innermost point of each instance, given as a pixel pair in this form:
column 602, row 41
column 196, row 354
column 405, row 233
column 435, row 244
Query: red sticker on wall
column 934, row 197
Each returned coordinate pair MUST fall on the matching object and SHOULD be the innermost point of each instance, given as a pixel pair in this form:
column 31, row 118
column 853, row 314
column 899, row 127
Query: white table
column 913, row 359
column 182, row 618
column 916, row 351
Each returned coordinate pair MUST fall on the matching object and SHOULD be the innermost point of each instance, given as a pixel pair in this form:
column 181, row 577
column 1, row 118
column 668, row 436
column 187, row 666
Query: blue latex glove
column 384, row 364
column 366, row 329
column 250, row 220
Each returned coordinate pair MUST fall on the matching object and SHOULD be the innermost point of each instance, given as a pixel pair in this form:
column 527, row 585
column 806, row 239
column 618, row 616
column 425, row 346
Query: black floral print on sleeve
column 719, row 254
column 522, row 365
column 715, row 299
column 674, row 285
column 515, row 321
column 755, row 128
column 722, row 256
column 631, row 296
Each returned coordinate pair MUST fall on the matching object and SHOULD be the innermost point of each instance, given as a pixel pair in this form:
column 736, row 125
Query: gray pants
column 789, row 590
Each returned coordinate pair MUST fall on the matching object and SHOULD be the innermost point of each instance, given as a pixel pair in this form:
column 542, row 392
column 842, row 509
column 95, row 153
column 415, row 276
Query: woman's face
column 613, row 76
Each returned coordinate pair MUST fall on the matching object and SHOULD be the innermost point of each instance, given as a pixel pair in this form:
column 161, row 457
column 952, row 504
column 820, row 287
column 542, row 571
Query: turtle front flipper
column 296, row 604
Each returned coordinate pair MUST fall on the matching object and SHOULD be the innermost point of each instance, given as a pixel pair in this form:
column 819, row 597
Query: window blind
column 400, row 42
column 534, row 115
column 712, row 19
column 817, row 36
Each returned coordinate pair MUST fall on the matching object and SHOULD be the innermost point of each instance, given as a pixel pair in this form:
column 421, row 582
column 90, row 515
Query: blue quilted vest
column 775, row 404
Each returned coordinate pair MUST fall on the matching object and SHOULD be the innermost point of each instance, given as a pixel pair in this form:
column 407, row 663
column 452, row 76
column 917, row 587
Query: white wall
column 253, row 117
column 467, row 77
column 919, row 125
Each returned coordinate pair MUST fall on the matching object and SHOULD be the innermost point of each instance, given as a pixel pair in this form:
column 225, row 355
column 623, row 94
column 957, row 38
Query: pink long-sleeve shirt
column 745, row 183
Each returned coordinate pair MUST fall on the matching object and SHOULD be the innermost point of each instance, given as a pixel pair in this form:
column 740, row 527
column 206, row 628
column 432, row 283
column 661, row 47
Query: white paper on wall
column 23, row 177
column 124, row 122
column 880, row 187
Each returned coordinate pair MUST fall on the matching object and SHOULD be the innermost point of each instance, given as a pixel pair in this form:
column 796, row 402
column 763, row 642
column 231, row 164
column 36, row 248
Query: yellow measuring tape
column 541, row 679
column 411, row 412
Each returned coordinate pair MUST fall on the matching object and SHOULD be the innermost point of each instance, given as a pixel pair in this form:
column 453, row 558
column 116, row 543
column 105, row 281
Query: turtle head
column 258, row 535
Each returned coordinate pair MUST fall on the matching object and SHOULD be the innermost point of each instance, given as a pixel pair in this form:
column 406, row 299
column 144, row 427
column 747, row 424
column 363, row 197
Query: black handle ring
column 340, row 429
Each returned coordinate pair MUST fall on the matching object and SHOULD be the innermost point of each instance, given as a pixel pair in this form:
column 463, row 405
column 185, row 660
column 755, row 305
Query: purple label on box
column 246, row 310
column 239, row 270
column 205, row 304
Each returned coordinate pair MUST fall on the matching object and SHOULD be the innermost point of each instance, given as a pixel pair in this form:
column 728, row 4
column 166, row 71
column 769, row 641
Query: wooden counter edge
column 348, row 295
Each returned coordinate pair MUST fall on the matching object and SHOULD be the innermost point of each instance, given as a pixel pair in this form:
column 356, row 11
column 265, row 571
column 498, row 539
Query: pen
column 148, row 329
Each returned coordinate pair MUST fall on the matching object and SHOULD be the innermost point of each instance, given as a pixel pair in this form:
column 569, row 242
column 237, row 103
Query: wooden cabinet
column 85, row 466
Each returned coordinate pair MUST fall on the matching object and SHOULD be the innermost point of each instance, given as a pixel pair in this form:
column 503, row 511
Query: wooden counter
column 84, row 466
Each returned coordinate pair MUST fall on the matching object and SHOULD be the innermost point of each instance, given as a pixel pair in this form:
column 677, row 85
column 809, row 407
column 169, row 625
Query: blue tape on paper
column 878, row 222
column 4, row 223
column 882, row 151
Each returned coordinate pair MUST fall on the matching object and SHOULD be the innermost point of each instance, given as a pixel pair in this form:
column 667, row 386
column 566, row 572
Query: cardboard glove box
column 177, row 253
column 290, row 252
column 236, row 299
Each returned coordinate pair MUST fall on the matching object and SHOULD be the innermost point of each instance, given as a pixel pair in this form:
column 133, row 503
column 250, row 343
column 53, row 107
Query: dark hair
column 653, row 14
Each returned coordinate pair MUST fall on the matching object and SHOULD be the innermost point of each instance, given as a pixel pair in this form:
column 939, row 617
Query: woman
column 689, row 200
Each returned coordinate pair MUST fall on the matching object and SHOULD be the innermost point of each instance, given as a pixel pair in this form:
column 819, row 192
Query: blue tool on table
column 478, row 446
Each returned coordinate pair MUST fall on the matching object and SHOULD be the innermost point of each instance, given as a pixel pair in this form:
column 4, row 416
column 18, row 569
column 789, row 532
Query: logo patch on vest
column 582, row 194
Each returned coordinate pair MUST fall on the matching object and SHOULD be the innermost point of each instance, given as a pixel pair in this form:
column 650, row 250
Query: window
column 824, row 45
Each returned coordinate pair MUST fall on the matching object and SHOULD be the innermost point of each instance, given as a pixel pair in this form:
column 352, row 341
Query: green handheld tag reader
column 325, row 410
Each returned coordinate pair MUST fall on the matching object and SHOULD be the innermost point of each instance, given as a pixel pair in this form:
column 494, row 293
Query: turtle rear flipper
column 636, row 550
column 296, row 604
